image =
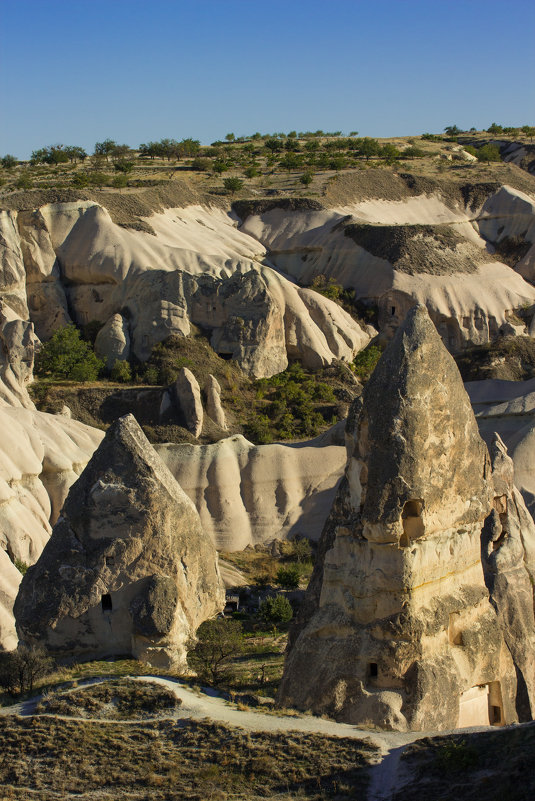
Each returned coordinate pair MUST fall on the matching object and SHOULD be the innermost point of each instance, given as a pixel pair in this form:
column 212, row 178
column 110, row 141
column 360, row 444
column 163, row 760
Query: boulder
column 214, row 408
column 188, row 397
column 112, row 342
column 128, row 568
column 397, row 629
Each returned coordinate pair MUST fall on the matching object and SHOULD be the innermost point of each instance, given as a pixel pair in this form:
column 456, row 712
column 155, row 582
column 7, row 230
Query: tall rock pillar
column 397, row 629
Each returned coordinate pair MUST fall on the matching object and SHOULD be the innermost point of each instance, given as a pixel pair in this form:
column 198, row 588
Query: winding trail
column 386, row 774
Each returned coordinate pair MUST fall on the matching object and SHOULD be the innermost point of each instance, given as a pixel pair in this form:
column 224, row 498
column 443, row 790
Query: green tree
column 275, row 145
column 289, row 576
column 495, row 128
column 389, row 153
column 120, row 181
column 105, row 148
column 233, row 184
column 452, row 130
column 528, row 130
column 230, row 137
column 67, row 356
column 9, row 161
column 75, row 153
column 217, row 642
column 307, row 178
column 275, row 610
column 488, row 153
column 365, row 361
column 368, row 147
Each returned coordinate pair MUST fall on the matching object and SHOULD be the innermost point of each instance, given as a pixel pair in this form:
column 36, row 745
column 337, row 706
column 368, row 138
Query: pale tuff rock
column 128, row 568
column 17, row 350
column 397, row 629
column 47, row 301
column 41, row 455
column 508, row 556
column 250, row 494
column 197, row 268
column 112, row 342
column 188, row 395
column 12, row 272
column 214, row 408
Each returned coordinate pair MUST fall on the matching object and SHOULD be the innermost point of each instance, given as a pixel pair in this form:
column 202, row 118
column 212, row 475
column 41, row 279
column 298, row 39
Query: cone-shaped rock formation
column 397, row 629
column 128, row 568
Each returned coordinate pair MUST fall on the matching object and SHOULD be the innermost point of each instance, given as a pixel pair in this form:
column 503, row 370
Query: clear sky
column 78, row 71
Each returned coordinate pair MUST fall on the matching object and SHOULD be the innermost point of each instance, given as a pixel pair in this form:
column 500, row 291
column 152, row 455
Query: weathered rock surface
column 508, row 557
column 508, row 408
column 214, row 409
column 17, row 350
column 249, row 494
column 188, row 396
column 196, row 268
column 397, row 629
column 420, row 248
column 128, row 568
column 112, row 342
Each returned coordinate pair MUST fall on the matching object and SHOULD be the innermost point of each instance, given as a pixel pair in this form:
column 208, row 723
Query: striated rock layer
column 128, row 568
column 397, row 629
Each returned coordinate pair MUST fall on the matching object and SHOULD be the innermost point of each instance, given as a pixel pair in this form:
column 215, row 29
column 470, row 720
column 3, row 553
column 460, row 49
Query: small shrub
column 365, row 361
column 276, row 610
column 21, row 566
column 289, row 576
column 456, row 755
column 121, row 371
column 24, row 181
column 307, row 178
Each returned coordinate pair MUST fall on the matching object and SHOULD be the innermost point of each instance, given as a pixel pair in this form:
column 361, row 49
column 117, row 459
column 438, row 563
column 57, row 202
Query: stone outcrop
column 214, row 409
column 250, row 494
column 188, row 397
column 17, row 351
column 128, row 569
column 196, row 267
column 112, row 342
column 508, row 556
column 397, row 629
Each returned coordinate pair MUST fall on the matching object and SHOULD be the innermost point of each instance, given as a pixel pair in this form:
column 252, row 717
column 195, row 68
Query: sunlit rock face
column 397, row 629
column 128, row 568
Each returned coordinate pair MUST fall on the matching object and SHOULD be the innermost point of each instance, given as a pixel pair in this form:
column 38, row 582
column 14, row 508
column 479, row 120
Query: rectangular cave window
column 373, row 670
column 106, row 602
column 495, row 715
column 393, row 310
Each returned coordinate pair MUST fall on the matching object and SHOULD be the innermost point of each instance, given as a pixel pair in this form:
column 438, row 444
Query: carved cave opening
column 107, row 605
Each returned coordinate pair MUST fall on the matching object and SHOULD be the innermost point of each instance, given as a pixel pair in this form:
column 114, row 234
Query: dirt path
column 386, row 773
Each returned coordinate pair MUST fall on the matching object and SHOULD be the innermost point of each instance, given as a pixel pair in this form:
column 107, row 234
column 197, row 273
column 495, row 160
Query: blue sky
column 78, row 71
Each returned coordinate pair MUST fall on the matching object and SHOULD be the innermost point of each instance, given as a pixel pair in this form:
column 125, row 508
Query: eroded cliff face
column 397, row 629
column 464, row 256
column 128, row 568
column 71, row 261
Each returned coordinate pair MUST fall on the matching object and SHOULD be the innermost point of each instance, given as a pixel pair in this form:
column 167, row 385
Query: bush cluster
column 285, row 407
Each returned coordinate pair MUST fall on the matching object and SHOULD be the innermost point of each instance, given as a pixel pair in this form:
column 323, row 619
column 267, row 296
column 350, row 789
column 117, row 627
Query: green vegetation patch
column 44, row 758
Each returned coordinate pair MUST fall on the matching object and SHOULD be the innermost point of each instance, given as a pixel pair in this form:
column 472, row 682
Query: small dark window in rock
column 106, row 602
column 226, row 356
column 393, row 310
column 495, row 715
column 373, row 670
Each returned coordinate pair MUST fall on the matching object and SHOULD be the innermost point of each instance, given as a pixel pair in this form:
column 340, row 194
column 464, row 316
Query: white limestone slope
column 468, row 307
column 197, row 268
column 248, row 494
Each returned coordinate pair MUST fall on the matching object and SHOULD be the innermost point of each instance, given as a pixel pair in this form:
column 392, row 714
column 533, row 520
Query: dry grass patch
column 175, row 760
